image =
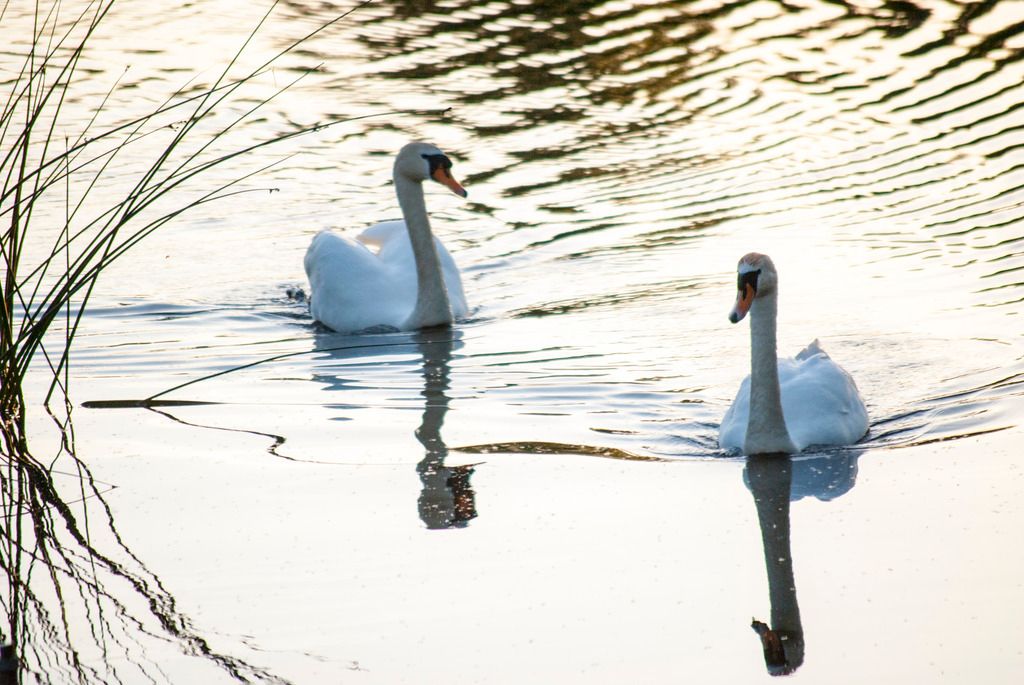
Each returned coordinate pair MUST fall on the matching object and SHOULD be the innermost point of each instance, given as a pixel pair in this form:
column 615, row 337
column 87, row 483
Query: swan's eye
column 747, row 278
column 438, row 162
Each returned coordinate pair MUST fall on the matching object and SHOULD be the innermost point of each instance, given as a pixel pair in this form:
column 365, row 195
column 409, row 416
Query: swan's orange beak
column 744, row 298
column 445, row 178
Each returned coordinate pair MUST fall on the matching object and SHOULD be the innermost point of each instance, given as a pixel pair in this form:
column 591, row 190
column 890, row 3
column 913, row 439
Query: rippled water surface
column 537, row 494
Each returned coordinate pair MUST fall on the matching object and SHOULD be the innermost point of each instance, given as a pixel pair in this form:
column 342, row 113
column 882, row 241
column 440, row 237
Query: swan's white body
column 355, row 288
column 395, row 274
column 820, row 404
column 786, row 405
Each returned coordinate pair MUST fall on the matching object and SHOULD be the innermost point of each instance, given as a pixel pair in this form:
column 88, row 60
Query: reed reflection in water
column 81, row 606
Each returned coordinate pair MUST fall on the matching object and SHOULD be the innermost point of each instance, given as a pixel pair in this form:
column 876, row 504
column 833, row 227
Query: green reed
column 44, row 295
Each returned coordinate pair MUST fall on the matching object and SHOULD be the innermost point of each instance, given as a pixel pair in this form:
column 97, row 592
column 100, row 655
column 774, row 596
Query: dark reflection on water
column 511, row 36
column 8, row 665
column 628, row 51
column 75, row 589
column 447, row 499
column 774, row 481
column 727, row 111
column 770, row 478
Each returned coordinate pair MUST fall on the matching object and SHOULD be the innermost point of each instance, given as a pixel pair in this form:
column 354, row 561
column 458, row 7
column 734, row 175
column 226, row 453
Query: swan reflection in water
column 446, row 498
column 774, row 481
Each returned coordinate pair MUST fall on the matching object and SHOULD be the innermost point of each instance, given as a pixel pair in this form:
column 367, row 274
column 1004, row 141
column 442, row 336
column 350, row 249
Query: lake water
column 537, row 495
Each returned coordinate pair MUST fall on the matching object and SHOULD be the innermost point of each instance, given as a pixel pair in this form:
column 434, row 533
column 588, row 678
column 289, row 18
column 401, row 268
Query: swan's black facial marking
column 441, row 171
column 748, row 278
column 746, row 282
column 438, row 161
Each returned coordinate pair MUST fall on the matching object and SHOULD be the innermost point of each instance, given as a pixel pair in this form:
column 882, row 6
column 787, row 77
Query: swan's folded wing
column 381, row 234
column 351, row 288
column 821, row 402
column 733, row 431
column 814, row 348
column 452, row 281
column 395, row 251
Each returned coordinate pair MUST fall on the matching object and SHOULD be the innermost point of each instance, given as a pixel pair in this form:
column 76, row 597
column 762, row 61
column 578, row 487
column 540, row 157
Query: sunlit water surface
column 537, row 495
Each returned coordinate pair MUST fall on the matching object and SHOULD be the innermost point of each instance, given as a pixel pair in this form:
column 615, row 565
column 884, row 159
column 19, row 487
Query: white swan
column 785, row 405
column 411, row 281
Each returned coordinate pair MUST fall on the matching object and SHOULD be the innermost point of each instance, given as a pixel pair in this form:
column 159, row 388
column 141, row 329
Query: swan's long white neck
column 432, row 305
column 766, row 427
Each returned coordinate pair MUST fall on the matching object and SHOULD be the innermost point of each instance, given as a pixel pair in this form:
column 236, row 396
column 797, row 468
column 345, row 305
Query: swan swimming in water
column 411, row 281
column 785, row 405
